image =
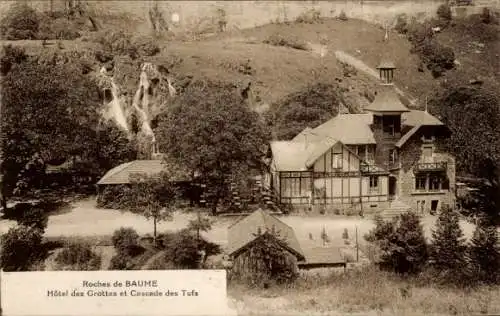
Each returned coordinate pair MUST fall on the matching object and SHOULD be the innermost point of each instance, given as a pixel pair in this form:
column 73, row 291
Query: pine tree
column 484, row 254
column 448, row 246
column 402, row 243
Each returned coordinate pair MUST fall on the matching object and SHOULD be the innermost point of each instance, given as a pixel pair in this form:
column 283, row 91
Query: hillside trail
column 361, row 66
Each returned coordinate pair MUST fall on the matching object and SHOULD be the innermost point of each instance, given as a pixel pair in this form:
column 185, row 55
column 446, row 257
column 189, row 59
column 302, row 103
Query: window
column 420, row 182
column 362, row 152
column 373, row 183
column 435, row 183
column 336, row 161
column 434, row 205
column 370, row 154
column 393, row 156
column 427, row 152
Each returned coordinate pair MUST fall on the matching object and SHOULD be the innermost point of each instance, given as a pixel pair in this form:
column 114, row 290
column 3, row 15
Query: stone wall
column 411, row 154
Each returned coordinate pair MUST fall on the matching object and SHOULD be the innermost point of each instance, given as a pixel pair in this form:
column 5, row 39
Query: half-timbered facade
column 367, row 160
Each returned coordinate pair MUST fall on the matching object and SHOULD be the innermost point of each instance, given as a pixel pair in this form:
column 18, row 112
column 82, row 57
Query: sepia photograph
column 330, row 157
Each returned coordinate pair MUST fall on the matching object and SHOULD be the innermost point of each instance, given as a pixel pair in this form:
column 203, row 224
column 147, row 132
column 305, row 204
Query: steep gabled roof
column 350, row 129
column 302, row 135
column 289, row 155
column 122, row 174
column 386, row 64
column 416, row 119
column 245, row 231
column 387, row 100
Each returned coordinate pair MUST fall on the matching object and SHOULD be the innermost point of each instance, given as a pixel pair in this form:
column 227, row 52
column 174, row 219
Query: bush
column 402, row 26
column 182, row 249
column 57, row 28
column 402, row 243
column 146, row 46
column 311, row 16
column 11, row 55
column 21, row 22
column 342, row 16
column 78, row 256
column 20, row 248
column 121, row 261
column 289, row 41
column 124, row 237
column 444, row 12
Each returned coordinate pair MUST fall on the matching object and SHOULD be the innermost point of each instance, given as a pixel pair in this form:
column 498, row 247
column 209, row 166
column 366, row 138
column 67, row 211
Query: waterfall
column 116, row 107
column 141, row 101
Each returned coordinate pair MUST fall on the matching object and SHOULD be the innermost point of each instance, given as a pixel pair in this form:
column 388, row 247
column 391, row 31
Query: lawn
column 86, row 221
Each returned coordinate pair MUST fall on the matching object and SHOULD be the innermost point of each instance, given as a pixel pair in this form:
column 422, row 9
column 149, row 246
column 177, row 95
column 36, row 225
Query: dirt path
column 361, row 66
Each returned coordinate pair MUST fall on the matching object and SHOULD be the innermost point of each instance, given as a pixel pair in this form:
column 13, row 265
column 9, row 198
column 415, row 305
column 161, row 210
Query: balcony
column 371, row 169
column 431, row 166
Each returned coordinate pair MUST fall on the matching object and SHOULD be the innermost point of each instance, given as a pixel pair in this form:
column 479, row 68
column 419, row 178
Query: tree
column 210, row 130
column 46, row 113
column 21, row 22
column 472, row 115
column 200, row 224
column 402, row 243
column 153, row 197
column 310, row 107
column 444, row 12
column 448, row 246
column 484, row 254
column 21, row 248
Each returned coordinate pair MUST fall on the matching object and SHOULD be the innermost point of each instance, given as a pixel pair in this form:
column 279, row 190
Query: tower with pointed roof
column 387, row 110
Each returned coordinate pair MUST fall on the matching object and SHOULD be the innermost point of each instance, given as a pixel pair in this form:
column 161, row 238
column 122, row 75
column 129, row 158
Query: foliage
column 64, row 103
column 448, row 247
column 444, row 12
column 21, row 248
column 437, row 57
column 484, row 254
column 114, row 197
column 290, row 41
column 57, row 28
column 211, row 131
column 125, row 237
column 78, row 256
column 121, row 43
column 402, row 26
column 402, row 242
column 153, row 197
column 342, row 16
column 121, row 261
column 184, row 250
column 146, row 46
column 10, row 56
column 473, row 117
column 309, row 107
column 311, row 16
column 20, row 22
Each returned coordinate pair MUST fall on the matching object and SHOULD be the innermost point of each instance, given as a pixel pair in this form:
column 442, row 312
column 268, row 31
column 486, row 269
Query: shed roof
column 121, row 174
column 387, row 100
column 245, row 231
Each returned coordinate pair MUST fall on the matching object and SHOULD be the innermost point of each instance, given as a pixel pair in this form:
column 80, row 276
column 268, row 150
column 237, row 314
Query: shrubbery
column 311, row 16
column 20, row 248
column 122, row 43
column 78, row 256
column 437, row 57
column 11, row 55
column 402, row 242
column 21, row 22
column 444, row 12
column 124, row 238
column 402, row 26
column 286, row 41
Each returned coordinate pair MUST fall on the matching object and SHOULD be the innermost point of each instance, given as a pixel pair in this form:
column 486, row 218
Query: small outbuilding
column 252, row 229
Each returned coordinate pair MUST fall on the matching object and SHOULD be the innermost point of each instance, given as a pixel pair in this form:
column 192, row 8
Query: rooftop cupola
column 386, row 72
